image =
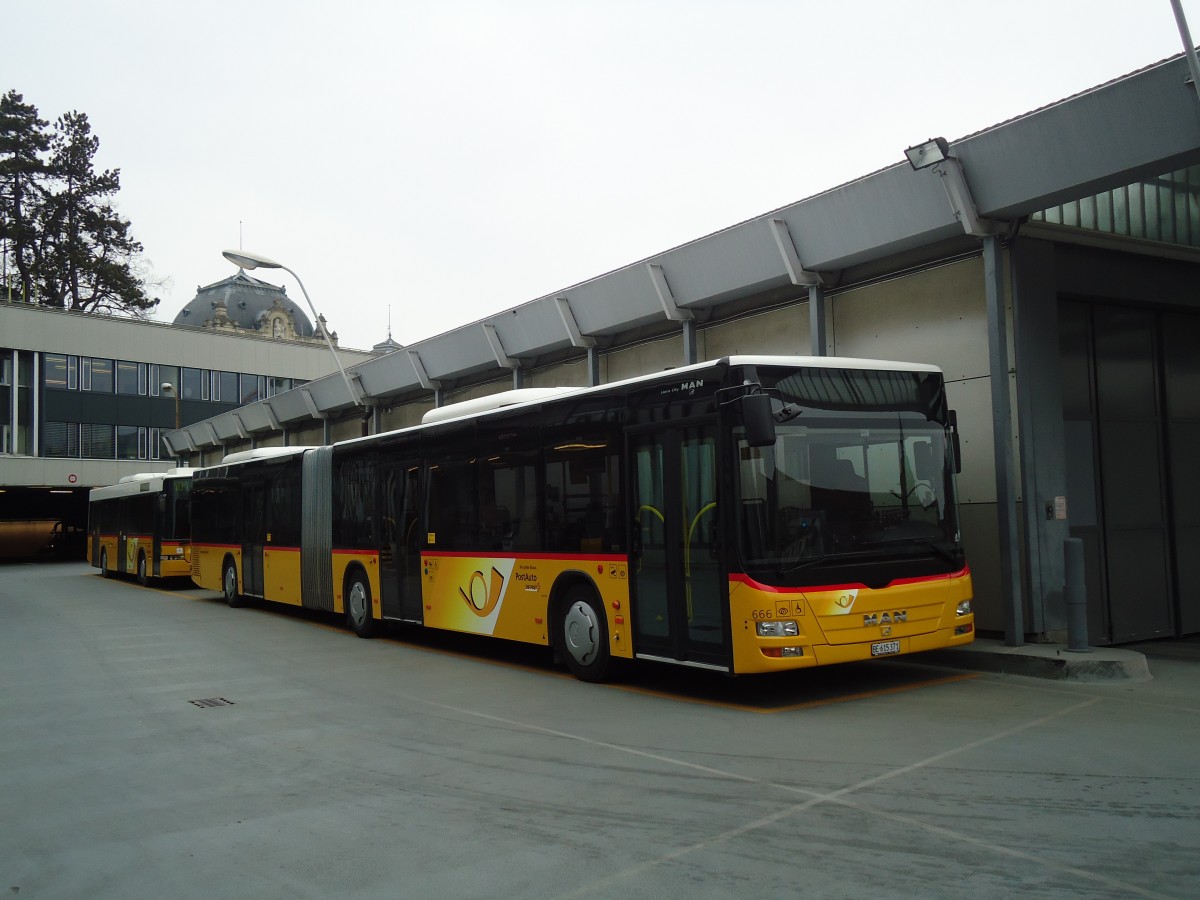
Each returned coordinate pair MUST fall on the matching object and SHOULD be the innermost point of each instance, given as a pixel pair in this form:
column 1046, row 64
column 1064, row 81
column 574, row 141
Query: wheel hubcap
column 230, row 583
column 580, row 633
column 358, row 603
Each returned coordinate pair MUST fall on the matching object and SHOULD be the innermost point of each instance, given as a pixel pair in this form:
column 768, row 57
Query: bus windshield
column 842, row 486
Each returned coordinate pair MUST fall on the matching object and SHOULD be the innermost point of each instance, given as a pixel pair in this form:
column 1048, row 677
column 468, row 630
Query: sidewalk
column 1098, row 664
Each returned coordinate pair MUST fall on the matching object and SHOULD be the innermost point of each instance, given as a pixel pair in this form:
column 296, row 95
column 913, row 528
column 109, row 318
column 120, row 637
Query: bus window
column 453, row 505
column 583, row 498
column 508, row 503
column 354, row 488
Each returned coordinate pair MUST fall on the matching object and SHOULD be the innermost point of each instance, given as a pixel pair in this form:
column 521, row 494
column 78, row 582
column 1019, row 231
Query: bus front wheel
column 104, row 570
column 358, row 604
column 230, row 586
column 142, row 576
column 583, row 634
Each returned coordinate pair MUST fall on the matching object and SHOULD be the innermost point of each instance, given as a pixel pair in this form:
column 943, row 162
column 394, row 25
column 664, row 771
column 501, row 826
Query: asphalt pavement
column 154, row 742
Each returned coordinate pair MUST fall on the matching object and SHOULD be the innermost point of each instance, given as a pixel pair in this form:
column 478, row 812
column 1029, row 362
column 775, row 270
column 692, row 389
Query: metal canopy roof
column 1142, row 124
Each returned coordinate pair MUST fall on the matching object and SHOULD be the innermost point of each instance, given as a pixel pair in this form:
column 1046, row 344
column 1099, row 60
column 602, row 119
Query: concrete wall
column 404, row 416
column 568, row 374
column 310, row 436
column 778, row 331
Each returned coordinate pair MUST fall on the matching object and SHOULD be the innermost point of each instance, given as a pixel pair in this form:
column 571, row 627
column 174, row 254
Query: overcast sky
column 453, row 159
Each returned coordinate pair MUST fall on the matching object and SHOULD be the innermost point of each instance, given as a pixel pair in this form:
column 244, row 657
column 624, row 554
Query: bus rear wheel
column 142, row 576
column 104, row 570
column 229, row 585
column 583, row 634
column 358, row 604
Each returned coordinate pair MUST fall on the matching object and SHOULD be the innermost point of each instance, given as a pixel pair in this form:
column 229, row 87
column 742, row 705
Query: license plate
column 885, row 648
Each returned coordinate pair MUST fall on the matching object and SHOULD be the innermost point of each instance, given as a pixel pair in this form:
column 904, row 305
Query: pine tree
column 86, row 254
column 23, row 140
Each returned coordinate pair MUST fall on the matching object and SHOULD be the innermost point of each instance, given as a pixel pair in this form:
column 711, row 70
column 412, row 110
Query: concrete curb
column 1051, row 661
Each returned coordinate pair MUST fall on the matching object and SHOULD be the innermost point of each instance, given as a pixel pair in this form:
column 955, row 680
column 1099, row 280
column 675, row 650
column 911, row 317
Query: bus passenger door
column 400, row 553
column 254, row 498
column 124, row 516
column 680, row 599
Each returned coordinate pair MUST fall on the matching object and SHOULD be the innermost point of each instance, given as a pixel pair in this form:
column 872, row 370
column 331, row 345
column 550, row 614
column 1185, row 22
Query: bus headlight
column 964, row 608
column 785, row 628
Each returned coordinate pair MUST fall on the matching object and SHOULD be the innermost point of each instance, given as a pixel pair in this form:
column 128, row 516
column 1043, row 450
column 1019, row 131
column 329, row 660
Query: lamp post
column 169, row 389
column 246, row 260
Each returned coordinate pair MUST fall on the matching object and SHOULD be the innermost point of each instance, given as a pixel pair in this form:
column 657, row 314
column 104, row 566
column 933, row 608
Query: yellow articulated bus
column 751, row 514
column 141, row 526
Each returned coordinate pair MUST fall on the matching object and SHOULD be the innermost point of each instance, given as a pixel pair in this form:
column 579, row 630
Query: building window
column 60, row 439
column 127, row 442
column 54, row 371
column 253, row 388
column 131, row 378
column 160, row 375
column 277, row 385
column 195, row 384
column 132, row 441
column 97, row 375
column 97, row 441
column 225, row 387
column 156, row 444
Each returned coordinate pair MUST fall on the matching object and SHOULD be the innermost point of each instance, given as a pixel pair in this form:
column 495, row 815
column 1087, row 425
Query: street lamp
column 169, row 389
column 245, row 260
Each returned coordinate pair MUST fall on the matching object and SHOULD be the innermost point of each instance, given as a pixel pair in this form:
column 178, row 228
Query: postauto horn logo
column 480, row 597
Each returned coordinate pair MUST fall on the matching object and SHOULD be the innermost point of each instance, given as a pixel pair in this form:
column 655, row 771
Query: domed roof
column 247, row 301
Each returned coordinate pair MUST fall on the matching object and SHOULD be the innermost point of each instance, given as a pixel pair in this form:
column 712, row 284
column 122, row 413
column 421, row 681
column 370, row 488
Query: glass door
column 400, row 554
column 679, row 591
column 254, row 515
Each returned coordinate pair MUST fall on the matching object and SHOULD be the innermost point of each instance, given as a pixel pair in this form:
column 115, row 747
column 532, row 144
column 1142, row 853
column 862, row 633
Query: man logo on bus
column 900, row 615
column 482, row 600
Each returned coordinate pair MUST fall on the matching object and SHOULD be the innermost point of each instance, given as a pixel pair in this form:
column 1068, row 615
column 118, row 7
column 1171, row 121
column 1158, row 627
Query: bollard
column 1075, row 596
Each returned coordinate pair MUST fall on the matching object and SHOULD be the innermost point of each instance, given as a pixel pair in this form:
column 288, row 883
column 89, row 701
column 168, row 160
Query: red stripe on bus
column 488, row 554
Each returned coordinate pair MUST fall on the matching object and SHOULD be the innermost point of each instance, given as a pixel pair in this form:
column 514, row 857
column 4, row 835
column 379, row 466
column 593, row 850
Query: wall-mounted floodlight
column 932, row 152
column 245, row 260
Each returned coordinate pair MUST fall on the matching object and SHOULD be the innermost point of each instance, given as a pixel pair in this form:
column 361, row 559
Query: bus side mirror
column 955, row 447
column 759, row 422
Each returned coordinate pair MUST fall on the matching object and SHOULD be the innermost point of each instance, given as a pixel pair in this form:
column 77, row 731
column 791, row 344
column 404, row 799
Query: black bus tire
column 358, row 604
column 582, row 634
column 229, row 585
column 143, row 576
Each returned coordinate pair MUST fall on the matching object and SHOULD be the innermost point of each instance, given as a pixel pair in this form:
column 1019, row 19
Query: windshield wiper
column 801, row 564
column 933, row 545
